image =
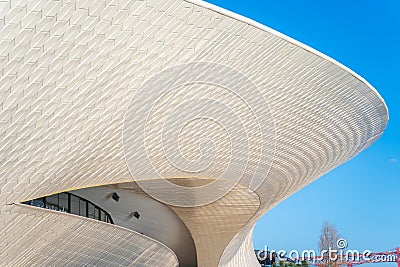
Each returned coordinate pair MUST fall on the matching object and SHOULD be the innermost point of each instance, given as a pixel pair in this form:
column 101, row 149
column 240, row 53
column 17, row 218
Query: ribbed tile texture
column 212, row 226
column 69, row 69
column 41, row 237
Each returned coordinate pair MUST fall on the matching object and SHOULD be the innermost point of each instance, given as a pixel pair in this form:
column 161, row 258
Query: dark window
column 82, row 208
column 52, row 202
column 97, row 214
column 102, row 216
column 68, row 202
column 37, row 202
column 74, row 205
column 91, row 211
column 63, row 202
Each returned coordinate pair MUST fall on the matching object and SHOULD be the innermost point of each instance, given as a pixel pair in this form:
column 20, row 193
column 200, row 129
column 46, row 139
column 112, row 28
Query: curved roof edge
column 100, row 222
column 260, row 26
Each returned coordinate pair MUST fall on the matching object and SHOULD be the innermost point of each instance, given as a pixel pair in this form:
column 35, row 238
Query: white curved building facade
column 199, row 120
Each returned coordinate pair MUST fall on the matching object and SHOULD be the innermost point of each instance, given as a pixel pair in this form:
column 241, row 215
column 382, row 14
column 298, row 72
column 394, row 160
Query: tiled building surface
column 68, row 73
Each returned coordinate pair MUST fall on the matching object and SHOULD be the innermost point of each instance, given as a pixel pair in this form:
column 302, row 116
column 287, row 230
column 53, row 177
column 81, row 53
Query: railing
column 71, row 203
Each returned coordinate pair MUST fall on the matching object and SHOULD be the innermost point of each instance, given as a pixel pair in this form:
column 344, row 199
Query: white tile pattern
column 68, row 70
column 48, row 238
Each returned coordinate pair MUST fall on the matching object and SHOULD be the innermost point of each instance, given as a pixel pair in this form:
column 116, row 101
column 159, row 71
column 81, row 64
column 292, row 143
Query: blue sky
column 360, row 197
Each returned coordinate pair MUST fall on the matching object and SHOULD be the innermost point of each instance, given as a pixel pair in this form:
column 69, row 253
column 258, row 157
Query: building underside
column 167, row 127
